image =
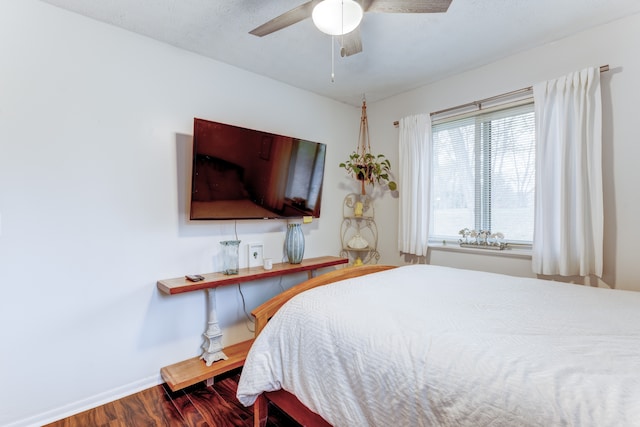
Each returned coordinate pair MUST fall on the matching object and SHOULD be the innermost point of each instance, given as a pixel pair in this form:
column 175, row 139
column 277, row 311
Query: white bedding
column 427, row 346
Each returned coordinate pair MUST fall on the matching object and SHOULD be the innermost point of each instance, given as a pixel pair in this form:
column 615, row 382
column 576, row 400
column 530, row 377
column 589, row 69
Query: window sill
column 522, row 252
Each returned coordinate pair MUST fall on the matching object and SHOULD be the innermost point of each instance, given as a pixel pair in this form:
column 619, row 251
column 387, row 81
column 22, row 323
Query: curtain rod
column 479, row 103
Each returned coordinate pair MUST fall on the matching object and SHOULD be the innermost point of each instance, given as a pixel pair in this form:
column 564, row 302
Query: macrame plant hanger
column 364, row 144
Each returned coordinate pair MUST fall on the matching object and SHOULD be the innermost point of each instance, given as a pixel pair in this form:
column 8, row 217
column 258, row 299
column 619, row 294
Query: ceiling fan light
column 336, row 17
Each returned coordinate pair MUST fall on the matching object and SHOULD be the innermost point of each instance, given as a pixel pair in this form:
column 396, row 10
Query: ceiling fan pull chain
column 332, row 62
column 342, row 22
column 342, row 31
column 341, row 42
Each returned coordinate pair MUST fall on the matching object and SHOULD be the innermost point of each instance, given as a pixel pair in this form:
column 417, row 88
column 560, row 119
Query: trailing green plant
column 370, row 169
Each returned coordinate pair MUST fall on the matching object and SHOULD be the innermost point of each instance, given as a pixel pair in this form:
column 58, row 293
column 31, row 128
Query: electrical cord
column 244, row 309
column 235, row 228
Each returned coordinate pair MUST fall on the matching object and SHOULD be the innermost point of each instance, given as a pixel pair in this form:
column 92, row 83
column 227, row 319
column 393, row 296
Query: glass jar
column 230, row 257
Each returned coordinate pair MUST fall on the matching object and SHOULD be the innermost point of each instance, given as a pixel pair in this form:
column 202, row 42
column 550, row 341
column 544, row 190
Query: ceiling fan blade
column 351, row 43
column 408, row 6
column 291, row 17
column 366, row 4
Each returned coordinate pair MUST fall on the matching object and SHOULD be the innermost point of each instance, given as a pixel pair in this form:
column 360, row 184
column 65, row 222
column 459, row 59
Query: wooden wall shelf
column 192, row 371
column 213, row 280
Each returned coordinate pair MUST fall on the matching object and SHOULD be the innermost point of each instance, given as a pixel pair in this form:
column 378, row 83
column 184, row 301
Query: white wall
column 95, row 143
column 615, row 44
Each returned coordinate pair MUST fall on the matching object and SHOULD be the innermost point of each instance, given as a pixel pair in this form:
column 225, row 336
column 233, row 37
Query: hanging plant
column 370, row 168
column 364, row 166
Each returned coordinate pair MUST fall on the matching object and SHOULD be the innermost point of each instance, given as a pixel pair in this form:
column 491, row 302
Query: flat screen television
column 241, row 173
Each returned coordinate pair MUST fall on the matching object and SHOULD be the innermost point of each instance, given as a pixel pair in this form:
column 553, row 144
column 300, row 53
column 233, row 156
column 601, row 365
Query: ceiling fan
column 342, row 17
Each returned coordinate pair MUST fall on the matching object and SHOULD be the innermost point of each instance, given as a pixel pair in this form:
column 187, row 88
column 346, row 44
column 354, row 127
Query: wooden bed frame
column 284, row 400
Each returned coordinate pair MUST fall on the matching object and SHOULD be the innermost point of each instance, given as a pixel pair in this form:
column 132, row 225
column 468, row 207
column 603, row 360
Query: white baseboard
column 88, row 403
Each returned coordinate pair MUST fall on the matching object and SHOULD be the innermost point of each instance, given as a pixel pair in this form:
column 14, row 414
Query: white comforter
column 428, row 346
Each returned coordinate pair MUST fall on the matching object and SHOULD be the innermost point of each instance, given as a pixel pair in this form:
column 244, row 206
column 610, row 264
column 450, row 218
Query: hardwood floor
column 197, row 405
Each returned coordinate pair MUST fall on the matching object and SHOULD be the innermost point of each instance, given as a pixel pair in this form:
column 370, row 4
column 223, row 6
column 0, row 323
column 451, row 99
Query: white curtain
column 568, row 230
column 414, row 184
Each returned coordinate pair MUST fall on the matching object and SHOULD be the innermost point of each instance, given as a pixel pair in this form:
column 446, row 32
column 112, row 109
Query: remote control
column 194, row 277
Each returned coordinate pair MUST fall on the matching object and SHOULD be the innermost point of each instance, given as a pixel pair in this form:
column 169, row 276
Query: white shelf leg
column 213, row 335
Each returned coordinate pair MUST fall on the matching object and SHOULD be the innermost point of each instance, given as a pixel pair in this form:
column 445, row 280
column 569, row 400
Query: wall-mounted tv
column 241, row 173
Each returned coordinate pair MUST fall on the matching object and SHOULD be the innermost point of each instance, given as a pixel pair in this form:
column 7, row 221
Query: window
column 484, row 174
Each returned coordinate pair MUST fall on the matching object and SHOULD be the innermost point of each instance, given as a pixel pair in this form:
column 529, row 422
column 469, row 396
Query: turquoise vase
column 294, row 243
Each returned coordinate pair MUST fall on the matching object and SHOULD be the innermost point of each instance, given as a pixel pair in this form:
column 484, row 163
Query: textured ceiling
column 400, row 51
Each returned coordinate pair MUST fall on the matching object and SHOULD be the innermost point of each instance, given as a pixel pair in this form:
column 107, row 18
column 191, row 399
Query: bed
column 424, row 345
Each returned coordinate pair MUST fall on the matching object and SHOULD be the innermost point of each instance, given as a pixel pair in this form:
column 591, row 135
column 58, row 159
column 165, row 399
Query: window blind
column 484, row 173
